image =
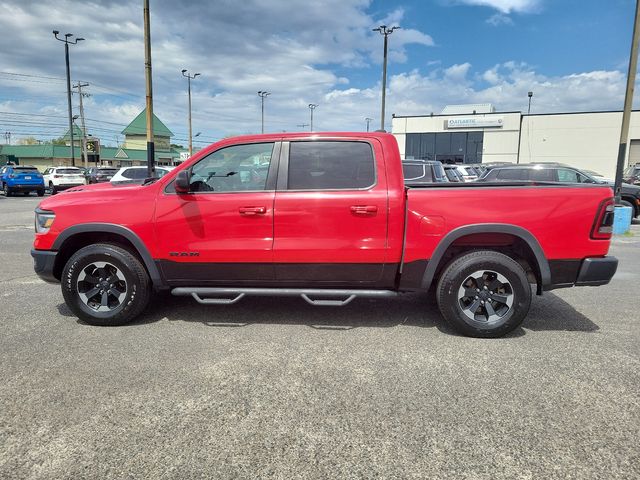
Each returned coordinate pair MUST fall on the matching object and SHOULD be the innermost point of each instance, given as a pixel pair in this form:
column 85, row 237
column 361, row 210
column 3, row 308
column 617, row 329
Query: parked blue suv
column 21, row 178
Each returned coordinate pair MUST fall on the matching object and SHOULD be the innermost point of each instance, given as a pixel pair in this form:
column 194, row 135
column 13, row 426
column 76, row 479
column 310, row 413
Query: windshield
column 69, row 171
column 26, row 169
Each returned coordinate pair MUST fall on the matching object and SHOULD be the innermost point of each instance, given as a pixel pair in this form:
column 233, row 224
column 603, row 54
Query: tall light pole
column 368, row 120
column 151, row 150
column 628, row 103
column 386, row 32
column 262, row 94
column 82, row 94
column 530, row 94
column 67, row 40
column 185, row 73
column 312, row 107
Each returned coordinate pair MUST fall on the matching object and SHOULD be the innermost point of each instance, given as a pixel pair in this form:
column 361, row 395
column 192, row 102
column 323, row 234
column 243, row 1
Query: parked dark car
column 420, row 172
column 100, row 174
column 558, row 172
column 21, row 178
column 632, row 174
column 453, row 174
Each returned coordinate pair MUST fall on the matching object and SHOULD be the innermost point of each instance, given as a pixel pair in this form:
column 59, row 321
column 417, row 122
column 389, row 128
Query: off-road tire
column 138, row 285
column 460, row 270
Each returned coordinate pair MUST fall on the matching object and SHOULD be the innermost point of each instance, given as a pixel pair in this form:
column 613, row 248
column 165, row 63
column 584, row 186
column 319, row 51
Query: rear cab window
column 417, row 172
column 135, row 173
column 331, row 165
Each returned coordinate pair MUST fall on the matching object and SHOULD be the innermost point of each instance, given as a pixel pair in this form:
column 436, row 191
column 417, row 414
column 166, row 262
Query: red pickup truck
column 326, row 217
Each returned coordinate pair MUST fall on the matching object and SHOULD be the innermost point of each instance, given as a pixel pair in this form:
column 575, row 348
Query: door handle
column 364, row 209
column 252, row 210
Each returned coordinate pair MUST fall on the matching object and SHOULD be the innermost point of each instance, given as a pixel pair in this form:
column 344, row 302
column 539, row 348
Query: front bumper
column 596, row 271
column 43, row 263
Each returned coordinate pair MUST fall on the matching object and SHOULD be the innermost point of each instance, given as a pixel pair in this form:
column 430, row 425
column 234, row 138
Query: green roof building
column 136, row 133
column 133, row 152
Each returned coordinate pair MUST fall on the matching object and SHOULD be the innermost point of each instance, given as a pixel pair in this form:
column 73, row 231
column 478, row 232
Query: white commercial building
column 476, row 133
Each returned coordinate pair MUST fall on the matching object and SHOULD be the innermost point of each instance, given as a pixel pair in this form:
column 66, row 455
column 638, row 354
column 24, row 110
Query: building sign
column 475, row 122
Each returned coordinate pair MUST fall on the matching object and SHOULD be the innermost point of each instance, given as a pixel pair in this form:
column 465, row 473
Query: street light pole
column 628, row 101
column 312, row 107
column 530, row 95
column 67, row 40
column 263, row 94
column 151, row 150
column 368, row 120
column 383, row 30
column 81, row 94
column 185, row 73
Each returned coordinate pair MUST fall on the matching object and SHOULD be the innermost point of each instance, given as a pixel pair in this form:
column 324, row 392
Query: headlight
column 44, row 220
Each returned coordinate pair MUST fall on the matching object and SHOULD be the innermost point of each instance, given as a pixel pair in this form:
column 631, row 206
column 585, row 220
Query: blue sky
column 573, row 54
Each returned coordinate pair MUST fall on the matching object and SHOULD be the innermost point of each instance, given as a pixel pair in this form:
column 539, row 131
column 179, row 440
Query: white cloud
column 505, row 6
column 313, row 57
column 292, row 48
column 499, row 19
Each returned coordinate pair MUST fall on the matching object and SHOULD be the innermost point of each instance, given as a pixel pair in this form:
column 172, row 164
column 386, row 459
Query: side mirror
column 182, row 182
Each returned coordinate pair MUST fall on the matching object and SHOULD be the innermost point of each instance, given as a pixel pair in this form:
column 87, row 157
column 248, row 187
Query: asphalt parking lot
column 275, row 388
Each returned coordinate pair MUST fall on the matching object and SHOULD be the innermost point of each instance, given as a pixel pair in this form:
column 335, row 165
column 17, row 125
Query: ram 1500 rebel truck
column 327, row 217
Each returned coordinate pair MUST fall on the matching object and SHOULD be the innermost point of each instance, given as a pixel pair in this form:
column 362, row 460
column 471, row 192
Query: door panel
column 216, row 235
column 330, row 235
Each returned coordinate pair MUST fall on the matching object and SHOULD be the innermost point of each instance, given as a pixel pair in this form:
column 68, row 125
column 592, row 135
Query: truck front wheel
column 484, row 294
column 105, row 285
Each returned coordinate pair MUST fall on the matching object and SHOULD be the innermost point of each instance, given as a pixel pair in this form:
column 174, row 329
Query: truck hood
column 98, row 192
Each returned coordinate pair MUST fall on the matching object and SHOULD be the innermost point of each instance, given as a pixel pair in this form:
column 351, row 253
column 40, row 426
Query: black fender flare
column 452, row 236
column 125, row 232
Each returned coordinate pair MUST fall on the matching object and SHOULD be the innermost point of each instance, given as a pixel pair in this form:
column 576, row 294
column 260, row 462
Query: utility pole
column 628, row 100
column 189, row 77
column 386, row 32
column 66, row 40
column 7, row 138
column 368, row 120
column 84, row 128
column 151, row 154
column 262, row 94
column 312, row 107
column 302, row 125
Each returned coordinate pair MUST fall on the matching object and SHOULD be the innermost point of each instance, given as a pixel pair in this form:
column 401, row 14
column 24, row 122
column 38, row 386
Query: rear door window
column 543, row 175
column 568, row 176
column 513, row 174
column 331, row 166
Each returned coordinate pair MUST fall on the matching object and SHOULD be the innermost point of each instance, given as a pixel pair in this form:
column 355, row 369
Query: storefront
column 475, row 134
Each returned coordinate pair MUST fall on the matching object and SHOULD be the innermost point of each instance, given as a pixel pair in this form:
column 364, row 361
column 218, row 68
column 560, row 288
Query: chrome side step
column 321, row 297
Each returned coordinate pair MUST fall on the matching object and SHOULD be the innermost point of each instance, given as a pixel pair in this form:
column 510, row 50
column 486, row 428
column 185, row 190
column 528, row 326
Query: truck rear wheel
column 105, row 285
column 484, row 294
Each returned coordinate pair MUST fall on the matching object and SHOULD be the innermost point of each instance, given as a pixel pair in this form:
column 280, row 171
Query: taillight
column 603, row 226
